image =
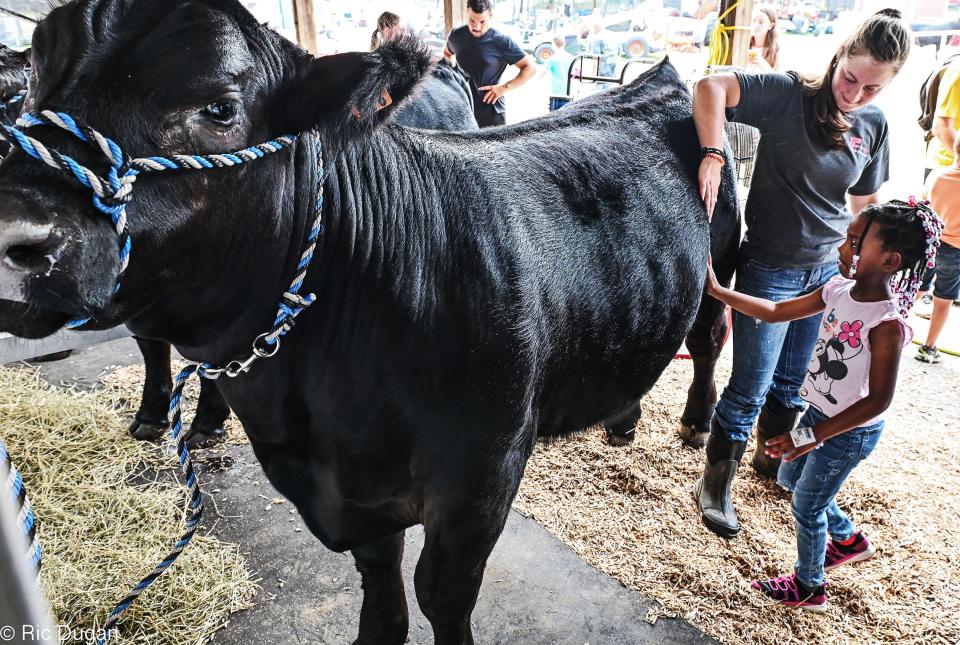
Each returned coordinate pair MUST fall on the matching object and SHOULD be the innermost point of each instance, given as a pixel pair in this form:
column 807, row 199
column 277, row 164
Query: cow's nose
column 30, row 248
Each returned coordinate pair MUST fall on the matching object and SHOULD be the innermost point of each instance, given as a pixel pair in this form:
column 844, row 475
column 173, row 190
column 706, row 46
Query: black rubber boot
column 775, row 419
column 712, row 491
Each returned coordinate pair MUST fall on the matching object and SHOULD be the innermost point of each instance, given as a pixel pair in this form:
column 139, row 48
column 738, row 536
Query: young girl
column 849, row 382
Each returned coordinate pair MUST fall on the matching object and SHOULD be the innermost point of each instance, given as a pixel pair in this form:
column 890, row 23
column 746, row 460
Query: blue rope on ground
column 110, row 196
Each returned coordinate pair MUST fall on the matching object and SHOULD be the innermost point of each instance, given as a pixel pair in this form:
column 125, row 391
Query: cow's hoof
column 620, row 439
column 206, row 439
column 147, row 431
column 691, row 436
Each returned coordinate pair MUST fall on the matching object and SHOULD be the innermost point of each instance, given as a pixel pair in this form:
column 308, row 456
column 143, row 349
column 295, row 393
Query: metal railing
column 24, row 614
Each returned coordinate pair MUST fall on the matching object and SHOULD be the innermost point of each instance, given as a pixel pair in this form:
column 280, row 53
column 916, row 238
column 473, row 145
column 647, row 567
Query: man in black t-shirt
column 484, row 53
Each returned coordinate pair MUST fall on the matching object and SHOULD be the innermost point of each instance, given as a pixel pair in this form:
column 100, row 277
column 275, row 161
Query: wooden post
column 742, row 16
column 454, row 13
column 306, row 27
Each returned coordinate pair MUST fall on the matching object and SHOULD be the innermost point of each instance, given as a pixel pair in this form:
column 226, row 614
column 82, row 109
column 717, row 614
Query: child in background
column 943, row 191
column 849, row 384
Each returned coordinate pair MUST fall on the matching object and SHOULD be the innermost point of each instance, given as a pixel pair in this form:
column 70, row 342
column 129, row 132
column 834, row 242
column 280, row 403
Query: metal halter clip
column 236, row 368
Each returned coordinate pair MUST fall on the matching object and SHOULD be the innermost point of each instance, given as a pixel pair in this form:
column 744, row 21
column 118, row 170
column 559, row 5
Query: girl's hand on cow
column 713, row 285
column 782, row 446
column 494, row 92
column 709, row 176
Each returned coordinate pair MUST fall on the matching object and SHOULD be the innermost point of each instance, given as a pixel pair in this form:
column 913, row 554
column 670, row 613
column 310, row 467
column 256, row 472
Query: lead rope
column 111, row 195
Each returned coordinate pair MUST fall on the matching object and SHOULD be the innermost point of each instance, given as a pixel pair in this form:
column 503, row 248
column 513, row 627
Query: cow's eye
column 223, row 112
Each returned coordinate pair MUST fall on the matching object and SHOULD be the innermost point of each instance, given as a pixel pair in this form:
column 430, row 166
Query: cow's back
column 590, row 218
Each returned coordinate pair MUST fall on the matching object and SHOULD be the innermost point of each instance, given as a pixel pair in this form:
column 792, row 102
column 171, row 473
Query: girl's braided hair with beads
column 912, row 229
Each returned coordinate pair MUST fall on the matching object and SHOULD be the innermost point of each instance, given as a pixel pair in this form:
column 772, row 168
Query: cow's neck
column 384, row 216
column 218, row 320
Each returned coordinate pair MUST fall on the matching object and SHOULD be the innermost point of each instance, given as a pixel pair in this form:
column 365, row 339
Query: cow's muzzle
column 53, row 258
column 29, row 246
column 27, row 250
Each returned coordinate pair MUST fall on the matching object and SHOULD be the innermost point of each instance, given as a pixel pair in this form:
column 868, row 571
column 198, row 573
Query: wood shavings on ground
column 630, row 512
column 108, row 510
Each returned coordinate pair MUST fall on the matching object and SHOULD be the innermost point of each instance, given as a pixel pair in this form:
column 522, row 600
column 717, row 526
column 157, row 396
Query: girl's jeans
column 815, row 479
column 769, row 356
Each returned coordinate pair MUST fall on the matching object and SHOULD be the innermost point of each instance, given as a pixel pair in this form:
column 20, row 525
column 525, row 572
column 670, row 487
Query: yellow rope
column 720, row 38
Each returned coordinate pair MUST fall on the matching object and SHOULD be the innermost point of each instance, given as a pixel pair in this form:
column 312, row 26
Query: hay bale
column 109, row 509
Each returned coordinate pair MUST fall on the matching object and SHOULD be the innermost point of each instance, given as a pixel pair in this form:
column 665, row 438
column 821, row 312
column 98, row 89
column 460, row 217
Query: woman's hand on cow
column 709, row 176
column 494, row 92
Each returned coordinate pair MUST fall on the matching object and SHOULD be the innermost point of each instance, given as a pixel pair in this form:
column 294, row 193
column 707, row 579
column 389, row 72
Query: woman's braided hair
column 912, row 229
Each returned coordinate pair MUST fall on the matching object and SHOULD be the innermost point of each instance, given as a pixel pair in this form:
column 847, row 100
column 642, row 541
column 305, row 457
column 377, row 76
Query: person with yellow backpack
column 940, row 109
column 939, row 118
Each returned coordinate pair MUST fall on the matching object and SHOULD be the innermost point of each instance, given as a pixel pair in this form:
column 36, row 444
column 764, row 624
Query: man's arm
column 449, row 55
column 527, row 70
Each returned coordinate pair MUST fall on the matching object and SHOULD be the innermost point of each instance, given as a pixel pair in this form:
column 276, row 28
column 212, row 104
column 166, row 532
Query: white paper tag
column 802, row 437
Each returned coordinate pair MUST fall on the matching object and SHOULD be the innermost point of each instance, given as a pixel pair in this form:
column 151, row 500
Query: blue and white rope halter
column 110, row 196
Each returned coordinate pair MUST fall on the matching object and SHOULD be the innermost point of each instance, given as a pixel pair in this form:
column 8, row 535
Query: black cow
column 475, row 290
column 444, row 102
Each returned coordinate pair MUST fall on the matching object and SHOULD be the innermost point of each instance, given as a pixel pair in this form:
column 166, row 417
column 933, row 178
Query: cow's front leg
column 458, row 540
column 383, row 616
column 150, row 421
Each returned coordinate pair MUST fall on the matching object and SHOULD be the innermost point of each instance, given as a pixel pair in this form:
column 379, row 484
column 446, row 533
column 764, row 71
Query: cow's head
column 163, row 77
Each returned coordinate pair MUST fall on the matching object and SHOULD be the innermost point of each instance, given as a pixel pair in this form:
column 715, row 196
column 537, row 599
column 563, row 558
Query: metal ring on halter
column 274, row 347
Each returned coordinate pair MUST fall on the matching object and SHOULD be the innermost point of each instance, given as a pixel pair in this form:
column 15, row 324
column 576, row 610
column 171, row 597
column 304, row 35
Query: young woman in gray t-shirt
column 821, row 144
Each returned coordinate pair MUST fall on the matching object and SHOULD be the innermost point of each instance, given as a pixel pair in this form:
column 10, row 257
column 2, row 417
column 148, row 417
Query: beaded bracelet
column 716, row 157
column 706, row 150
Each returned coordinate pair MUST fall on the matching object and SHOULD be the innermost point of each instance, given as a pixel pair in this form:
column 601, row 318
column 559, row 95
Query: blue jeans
column 815, row 479
column 769, row 356
column 947, row 270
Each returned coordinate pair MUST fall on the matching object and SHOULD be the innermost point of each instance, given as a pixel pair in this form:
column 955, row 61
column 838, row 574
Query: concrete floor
column 535, row 590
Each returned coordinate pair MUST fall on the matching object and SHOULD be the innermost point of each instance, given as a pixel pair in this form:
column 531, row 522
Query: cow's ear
column 353, row 92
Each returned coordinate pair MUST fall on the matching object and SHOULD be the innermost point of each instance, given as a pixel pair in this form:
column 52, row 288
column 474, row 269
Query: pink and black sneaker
column 790, row 592
column 856, row 549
